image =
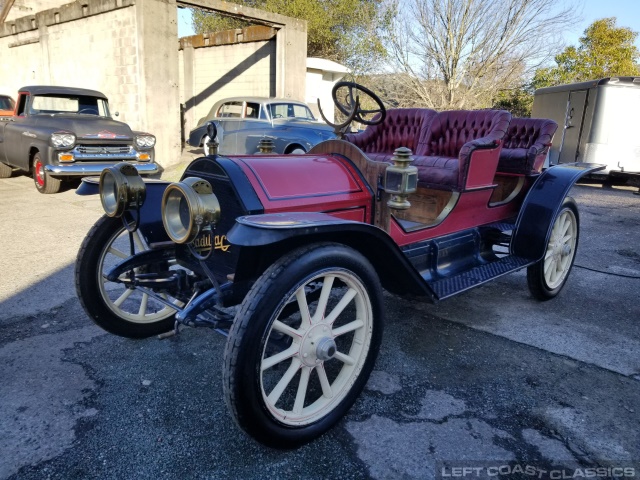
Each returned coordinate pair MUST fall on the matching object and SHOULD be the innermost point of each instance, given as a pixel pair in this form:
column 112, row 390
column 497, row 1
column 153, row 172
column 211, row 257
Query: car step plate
column 447, row 287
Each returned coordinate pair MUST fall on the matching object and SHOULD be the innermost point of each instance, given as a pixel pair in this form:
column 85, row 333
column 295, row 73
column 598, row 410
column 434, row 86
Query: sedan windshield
column 82, row 104
column 290, row 110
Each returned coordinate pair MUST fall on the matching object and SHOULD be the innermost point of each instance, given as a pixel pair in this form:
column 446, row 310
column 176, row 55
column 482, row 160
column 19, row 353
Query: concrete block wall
column 96, row 52
column 105, row 54
column 217, row 72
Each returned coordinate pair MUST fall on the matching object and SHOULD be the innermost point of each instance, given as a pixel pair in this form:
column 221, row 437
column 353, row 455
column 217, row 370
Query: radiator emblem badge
column 219, row 242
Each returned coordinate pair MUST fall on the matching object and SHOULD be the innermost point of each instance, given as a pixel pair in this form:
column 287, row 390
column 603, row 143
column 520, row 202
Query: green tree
column 518, row 101
column 605, row 50
column 340, row 30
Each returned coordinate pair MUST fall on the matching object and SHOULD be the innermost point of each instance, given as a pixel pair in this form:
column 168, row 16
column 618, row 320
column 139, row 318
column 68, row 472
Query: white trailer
column 599, row 123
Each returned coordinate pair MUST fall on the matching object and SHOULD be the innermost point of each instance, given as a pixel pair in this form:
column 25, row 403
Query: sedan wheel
column 5, row 170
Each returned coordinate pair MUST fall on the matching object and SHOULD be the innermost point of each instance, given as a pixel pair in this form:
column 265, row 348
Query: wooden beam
column 5, row 9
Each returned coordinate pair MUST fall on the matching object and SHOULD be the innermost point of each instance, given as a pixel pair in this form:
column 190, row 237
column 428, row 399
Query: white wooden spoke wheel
column 127, row 303
column 547, row 277
column 124, row 311
column 303, row 344
column 561, row 249
column 311, row 358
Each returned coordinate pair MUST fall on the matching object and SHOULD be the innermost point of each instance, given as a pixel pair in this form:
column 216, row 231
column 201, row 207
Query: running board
column 448, row 287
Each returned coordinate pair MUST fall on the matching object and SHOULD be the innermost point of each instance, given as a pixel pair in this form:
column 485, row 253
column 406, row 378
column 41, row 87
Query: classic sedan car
column 242, row 122
column 57, row 133
column 7, row 104
column 287, row 255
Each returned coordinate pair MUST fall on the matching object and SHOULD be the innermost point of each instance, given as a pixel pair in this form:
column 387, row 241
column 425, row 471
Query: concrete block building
column 130, row 50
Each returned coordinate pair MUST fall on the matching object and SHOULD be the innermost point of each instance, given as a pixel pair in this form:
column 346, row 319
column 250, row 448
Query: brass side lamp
column 401, row 179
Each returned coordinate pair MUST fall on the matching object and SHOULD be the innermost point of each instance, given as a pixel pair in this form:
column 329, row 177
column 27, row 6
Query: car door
column 229, row 119
column 18, row 135
column 255, row 126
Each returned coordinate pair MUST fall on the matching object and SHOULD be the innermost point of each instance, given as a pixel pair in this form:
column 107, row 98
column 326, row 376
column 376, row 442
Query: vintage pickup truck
column 57, row 133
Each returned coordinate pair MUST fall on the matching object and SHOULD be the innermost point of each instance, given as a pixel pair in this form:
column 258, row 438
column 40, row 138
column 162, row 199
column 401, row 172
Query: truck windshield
column 81, row 104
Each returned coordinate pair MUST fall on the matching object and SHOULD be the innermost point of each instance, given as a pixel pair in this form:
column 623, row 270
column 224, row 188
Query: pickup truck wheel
column 5, row 170
column 117, row 309
column 547, row 277
column 303, row 344
column 45, row 183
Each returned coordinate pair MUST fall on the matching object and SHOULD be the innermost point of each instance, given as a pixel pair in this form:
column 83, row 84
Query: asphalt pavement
column 490, row 382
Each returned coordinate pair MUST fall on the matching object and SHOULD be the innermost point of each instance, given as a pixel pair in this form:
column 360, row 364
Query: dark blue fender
column 273, row 235
column 541, row 206
column 151, row 211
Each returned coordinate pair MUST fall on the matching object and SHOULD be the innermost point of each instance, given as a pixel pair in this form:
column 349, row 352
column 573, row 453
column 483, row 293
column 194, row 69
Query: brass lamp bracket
column 401, row 179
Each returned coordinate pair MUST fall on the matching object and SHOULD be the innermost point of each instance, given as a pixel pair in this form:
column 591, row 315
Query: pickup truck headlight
column 145, row 141
column 188, row 208
column 121, row 189
column 63, row 139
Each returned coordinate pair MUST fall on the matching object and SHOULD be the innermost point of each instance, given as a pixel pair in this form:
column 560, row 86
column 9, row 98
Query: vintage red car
column 288, row 254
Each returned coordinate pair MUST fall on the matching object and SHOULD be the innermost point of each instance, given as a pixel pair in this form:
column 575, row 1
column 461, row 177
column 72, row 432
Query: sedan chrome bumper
column 86, row 169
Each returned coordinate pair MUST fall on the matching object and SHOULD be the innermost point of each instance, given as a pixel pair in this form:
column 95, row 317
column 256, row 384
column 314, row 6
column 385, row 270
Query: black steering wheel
column 344, row 96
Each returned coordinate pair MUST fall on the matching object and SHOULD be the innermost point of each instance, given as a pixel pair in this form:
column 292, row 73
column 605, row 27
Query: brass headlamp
column 121, row 189
column 188, row 208
column 401, row 179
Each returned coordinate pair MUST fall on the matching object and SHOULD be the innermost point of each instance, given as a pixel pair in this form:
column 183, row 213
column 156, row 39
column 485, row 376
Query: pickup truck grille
column 98, row 150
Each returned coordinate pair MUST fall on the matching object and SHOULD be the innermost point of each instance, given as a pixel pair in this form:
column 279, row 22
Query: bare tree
column 459, row 53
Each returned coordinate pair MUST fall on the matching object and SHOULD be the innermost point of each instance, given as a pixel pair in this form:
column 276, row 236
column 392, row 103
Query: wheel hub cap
column 317, row 345
column 326, row 349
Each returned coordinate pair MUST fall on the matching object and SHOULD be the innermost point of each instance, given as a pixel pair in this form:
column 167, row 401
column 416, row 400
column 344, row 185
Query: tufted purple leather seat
column 402, row 128
column 443, row 154
column 526, row 145
column 442, row 142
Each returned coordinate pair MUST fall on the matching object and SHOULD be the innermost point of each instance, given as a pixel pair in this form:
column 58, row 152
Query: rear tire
column 5, row 170
column 548, row 276
column 303, row 344
column 44, row 182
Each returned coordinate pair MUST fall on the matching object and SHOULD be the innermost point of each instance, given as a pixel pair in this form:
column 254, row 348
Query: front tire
column 548, row 276
column 303, row 344
column 44, row 182
column 113, row 307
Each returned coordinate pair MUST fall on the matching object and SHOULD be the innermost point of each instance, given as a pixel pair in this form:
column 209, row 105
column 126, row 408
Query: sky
column 627, row 13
